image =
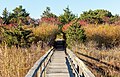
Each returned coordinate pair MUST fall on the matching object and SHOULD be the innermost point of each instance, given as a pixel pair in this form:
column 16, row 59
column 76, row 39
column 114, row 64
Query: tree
column 75, row 34
column 67, row 16
column 19, row 15
column 19, row 11
column 5, row 16
column 114, row 19
column 18, row 36
column 49, row 17
column 96, row 17
column 47, row 13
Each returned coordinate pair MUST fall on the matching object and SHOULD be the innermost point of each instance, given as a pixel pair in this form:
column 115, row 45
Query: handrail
column 73, row 66
column 33, row 71
column 80, row 69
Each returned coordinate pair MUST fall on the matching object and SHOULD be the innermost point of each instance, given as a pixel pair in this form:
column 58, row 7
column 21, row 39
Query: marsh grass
column 15, row 62
column 101, row 51
column 103, row 63
column 104, row 35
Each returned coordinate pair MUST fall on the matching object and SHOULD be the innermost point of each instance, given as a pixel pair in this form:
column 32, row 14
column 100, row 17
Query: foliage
column 66, row 26
column 5, row 16
column 17, row 61
column 47, row 13
column 18, row 36
column 115, row 19
column 80, row 22
column 104, row 35
column 50, row 20
column 67, row 16
column 102, row 63
column 18, row 16
column 75, row 34
column 46, row 32
column 97, row 16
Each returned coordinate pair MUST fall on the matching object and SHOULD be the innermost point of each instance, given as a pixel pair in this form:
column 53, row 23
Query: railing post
column 38, row 72
column 77, row 69
column 44, row 71
column 80, row 68
column 38, row 69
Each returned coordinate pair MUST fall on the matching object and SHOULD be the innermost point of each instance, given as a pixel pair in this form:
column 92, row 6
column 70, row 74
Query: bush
column 46, row 32
column 104, row 35
column 75, row 34
column 18, row 36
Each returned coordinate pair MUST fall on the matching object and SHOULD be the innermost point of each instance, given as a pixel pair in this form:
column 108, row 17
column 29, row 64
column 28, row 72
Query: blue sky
column 36, row 7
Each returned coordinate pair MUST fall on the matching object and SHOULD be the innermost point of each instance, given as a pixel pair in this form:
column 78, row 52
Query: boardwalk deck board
column 58, row 66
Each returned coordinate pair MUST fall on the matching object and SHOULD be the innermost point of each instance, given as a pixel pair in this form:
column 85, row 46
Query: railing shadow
column 69, row 68
column 102, row 62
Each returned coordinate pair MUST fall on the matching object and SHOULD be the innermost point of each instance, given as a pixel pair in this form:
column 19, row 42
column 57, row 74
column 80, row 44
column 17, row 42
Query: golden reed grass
column 106, row 35
column 103, row 62
column 15, row 62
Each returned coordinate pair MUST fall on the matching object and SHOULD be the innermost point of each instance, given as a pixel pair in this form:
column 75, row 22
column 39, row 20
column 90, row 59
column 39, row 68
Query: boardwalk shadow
column 69, row 68
column 105, row 63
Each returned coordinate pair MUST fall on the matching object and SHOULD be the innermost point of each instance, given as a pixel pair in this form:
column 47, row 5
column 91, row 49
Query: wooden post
column 77, row 69
column 38, row 72
column 80, row 71
column 44, row 71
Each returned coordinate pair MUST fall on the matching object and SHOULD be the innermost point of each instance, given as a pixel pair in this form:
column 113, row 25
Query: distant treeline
column 18, row 28
column 21, row 16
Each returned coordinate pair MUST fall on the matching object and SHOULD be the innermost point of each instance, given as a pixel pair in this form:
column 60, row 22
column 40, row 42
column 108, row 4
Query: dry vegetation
column 101, row 52
column 15, row 62
column 45, row 30
column 103, row 63
column 104, row 35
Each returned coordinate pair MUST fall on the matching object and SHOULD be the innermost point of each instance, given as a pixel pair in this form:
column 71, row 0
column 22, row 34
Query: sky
column 36, row 7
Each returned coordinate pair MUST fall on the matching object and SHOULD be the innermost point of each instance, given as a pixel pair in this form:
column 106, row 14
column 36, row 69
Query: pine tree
column 5, row 16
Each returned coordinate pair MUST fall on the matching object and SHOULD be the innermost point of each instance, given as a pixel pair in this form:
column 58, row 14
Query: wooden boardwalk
column 59, row 65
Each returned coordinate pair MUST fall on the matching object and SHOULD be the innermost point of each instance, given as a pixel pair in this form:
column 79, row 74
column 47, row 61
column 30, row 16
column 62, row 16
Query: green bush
column 18, row 36
column 75, row 34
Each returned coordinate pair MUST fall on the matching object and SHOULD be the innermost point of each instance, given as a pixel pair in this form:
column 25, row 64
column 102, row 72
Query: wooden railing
column 38, row 70
column 79, row 68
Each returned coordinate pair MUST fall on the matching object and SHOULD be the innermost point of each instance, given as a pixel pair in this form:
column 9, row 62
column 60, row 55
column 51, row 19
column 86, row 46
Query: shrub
column 98, row 16
column 103, row 35
column 45, row 32
column 80, row 22
column 50, row 20
column 18, row 36
column 75, row 34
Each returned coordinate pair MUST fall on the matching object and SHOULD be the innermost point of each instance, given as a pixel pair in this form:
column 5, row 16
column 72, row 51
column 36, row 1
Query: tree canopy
column 96, row 16
column 47, row 13
column 19, row 15
column 67, row 16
